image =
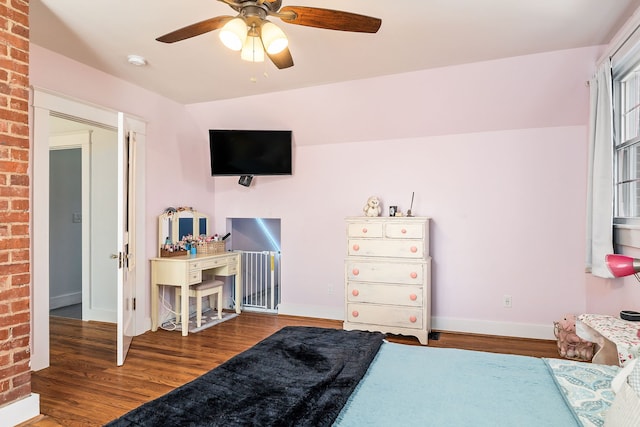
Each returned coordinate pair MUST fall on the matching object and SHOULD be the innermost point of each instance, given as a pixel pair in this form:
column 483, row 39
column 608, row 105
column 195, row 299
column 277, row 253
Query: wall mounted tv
column 250, row 152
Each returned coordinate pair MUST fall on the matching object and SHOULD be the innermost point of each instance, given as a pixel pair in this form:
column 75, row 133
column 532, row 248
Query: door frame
column 43, row 102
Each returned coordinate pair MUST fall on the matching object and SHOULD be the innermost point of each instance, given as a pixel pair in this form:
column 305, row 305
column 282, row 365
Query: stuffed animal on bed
column 570, row 345
column 372, row 208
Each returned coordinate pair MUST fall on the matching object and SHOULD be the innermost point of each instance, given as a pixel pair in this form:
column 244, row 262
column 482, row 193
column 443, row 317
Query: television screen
column 250, row 152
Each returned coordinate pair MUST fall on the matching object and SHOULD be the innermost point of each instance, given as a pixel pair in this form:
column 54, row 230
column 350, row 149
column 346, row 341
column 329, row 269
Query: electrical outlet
column 330, row 289
column 506, row 301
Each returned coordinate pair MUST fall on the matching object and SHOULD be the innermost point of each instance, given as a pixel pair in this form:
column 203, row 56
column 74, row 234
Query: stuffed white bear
column 372, row 208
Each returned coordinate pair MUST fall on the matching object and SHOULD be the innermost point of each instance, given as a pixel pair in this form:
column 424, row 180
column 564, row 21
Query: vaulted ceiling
column 415, row 35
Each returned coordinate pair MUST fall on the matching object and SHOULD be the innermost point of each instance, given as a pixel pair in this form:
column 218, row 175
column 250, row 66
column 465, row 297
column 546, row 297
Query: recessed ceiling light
column 136, row 60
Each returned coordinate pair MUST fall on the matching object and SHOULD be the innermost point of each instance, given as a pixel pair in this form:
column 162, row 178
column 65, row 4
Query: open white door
column 126, row 300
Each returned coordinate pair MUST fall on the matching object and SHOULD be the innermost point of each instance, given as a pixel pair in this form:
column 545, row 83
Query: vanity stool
column 204, row 289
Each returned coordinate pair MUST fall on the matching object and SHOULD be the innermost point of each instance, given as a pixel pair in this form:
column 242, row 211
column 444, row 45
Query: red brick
column 20, row 305
column 13, row 216
column 22, row 279
column 19, row 104
column 20, row 205
column 14, row 268
column 19, row 229
column 20, row 154
column 13, row 319
column 10, row 140
column 20, row 129
column 21, row 335
column 14, row 293
column 14, row 192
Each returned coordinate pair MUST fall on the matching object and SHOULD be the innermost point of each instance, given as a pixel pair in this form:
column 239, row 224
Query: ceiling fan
column 251, row 33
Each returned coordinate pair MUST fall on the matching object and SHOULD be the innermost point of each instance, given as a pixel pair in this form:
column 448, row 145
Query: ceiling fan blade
column 329, row 19
column 195, row 29
column 281, row 60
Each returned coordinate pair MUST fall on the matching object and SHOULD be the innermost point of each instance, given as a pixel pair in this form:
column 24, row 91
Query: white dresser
column 388, row 276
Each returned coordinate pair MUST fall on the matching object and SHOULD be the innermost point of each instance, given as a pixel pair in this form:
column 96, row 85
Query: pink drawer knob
column 414, row 275
column 355, row 292
column 355, row 313
column 364, row 230
column 403, row 231
column 355, row 271
column 414, row 249
column 356, row 248
column 413, row 319
column 413, row 297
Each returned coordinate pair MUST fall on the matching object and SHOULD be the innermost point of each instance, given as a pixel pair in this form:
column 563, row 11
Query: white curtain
column 600, row 180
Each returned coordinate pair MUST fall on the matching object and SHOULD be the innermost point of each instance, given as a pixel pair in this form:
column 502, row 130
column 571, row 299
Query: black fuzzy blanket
column 299, row 376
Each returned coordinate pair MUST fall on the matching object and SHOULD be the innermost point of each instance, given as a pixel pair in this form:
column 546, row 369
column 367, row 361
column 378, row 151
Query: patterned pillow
column 586, row 387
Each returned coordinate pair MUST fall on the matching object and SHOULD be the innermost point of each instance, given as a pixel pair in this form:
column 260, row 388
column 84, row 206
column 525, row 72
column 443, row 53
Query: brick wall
column 15, row 278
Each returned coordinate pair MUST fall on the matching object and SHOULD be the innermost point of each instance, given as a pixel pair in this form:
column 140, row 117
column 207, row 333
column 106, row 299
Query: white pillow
column 625, row 409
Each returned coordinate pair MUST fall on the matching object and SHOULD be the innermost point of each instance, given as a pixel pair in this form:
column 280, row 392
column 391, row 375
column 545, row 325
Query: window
column 626, row 117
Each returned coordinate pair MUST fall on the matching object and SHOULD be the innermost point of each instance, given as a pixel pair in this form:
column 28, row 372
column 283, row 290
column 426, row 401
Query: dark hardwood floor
column 84, row 387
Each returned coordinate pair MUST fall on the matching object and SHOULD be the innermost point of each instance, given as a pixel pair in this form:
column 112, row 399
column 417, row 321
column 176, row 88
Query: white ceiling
column 415, row 35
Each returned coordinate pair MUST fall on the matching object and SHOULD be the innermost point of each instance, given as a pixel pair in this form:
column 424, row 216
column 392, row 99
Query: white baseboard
column 65, row 300
column 507, row 329
column 448, row 324
column 471, row 326
column 100, row 315
column 321, row 312
column 20, row 411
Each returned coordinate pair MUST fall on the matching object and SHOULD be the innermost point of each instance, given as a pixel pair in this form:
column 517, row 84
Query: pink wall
column 495, row 151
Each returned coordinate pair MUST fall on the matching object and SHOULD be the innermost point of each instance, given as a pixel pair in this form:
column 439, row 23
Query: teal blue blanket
column 426, row 386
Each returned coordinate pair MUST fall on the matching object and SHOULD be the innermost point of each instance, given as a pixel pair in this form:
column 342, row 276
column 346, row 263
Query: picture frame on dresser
column 388, row 276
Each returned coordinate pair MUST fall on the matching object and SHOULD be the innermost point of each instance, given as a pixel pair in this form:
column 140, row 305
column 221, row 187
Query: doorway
column 82, row 218
column 44, row 106
column 65, row 232
column 258, row 241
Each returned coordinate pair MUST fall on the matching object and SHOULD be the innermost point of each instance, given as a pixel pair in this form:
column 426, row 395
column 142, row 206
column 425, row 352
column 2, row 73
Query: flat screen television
column 250, row 152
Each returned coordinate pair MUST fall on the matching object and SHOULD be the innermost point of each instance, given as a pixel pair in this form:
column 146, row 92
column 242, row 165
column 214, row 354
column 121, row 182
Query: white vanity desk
column 185, row 271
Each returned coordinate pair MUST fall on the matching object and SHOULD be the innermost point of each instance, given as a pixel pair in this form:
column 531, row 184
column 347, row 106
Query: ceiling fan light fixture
column 273, row 38
column 233, row 34
column 252, row 50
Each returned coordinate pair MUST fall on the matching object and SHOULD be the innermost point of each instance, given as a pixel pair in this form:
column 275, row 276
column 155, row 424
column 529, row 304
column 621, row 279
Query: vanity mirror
column 174, row 224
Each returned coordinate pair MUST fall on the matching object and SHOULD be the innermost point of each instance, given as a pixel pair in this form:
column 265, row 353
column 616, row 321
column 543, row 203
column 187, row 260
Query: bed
column 307, row 376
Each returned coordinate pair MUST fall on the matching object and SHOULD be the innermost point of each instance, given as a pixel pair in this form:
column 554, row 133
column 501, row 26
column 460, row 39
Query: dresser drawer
column 385, row 315
column 227, row 270
column 387, row 248
column 385, row 272
column 194, row 277
column 404, row 230
column 364, row 229
column 206, row 264
column 407, row 295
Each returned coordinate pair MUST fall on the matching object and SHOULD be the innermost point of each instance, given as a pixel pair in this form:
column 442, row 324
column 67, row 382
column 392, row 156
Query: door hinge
column 134, row 303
